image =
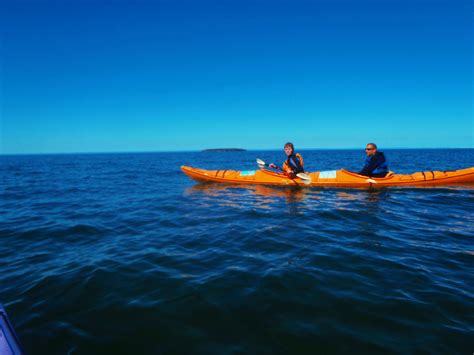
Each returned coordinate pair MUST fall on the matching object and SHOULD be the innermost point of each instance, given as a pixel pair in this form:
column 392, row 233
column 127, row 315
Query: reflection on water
column 291, row 194
column 297, row 198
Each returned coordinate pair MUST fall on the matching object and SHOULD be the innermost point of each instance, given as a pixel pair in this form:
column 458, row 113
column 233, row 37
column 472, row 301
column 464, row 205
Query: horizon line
column 204, row 151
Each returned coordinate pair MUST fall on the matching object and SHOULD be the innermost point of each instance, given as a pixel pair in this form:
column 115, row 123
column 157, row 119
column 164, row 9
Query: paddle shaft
column 302, row 176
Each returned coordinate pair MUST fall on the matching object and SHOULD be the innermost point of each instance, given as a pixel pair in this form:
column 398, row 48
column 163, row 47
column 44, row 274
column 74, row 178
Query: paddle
column 305, row 177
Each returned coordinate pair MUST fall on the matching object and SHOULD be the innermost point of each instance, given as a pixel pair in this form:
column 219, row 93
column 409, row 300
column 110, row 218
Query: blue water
column 122, row 253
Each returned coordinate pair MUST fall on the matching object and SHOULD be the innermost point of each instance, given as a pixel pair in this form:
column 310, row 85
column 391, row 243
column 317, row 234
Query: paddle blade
column 305, row 177
column 260, row 163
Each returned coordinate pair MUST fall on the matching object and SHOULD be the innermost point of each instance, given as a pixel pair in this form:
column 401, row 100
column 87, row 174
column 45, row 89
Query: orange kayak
column 335, row 178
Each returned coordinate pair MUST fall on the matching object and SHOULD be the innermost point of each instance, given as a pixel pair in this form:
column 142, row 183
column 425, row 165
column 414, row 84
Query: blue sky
column 85, row 76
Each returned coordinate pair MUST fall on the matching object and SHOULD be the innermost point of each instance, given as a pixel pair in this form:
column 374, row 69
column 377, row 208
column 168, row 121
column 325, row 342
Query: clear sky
column 99, row 76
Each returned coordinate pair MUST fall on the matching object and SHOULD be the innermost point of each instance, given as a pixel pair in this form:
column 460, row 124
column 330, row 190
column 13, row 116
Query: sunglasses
column 369, row 148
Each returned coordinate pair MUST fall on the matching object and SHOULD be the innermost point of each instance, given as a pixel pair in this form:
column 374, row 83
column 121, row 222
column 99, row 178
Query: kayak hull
column 336, row 178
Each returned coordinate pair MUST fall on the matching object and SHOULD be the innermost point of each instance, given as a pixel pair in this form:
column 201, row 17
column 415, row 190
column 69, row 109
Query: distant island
column 225, row 150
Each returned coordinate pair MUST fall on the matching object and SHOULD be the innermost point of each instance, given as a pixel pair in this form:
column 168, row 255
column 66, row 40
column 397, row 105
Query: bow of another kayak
column 9, row 343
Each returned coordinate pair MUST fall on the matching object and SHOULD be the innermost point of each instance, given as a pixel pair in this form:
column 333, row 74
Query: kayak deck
column 334, row 178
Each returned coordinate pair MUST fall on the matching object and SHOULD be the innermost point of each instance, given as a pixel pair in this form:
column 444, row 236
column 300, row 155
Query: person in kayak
column 294, row 163
column 375, row 164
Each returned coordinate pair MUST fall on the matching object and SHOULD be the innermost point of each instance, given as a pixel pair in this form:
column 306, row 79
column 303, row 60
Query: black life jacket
column 294, row 162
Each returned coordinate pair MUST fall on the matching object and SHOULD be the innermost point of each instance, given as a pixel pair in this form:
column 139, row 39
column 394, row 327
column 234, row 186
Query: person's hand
column 271, row 165
column 291, row 174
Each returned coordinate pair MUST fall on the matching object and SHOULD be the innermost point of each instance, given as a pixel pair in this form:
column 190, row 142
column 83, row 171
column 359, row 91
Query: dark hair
column 373, row 145
column 289, row 145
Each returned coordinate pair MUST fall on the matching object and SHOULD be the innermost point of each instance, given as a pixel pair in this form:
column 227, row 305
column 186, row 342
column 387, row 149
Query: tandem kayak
column 334, row 178
column 9, row 343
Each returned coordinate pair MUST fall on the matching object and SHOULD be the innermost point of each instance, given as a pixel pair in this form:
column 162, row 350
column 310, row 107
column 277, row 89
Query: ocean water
column 123, row 254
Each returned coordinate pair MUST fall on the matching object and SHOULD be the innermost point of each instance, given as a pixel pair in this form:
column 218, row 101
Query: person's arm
column 374, row 163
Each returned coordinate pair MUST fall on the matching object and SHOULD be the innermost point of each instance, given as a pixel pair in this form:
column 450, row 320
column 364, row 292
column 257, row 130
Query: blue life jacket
column 382, row 167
